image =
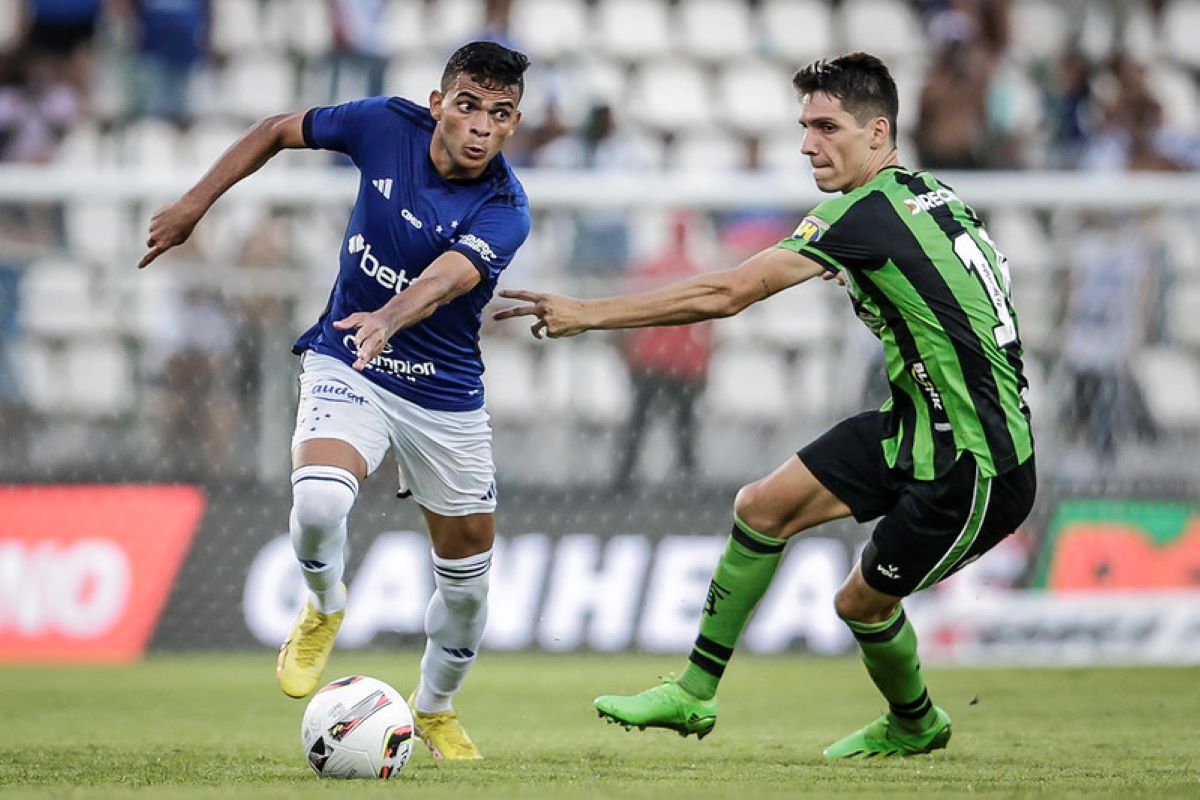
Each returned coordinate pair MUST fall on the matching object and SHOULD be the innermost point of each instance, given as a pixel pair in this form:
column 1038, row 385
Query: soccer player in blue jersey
column 393, row 362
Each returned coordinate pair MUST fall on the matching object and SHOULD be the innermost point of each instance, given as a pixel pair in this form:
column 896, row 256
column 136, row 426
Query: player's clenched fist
column 557, row 315
column 170, row 226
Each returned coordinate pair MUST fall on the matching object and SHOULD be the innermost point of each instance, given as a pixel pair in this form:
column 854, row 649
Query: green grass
column 216, row 727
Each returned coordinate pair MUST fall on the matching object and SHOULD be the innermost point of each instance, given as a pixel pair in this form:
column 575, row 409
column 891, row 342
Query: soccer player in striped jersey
column 946, row 465
column 393, row 362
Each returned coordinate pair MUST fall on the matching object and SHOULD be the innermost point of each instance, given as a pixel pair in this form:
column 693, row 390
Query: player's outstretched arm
column 706, row 296
column 172, row 225
column 450, row 275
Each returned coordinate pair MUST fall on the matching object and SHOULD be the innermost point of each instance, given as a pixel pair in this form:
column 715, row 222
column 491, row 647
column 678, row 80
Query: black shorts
column 930, row 529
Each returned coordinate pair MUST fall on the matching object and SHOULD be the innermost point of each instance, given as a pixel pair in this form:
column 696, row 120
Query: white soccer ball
column 357, row 727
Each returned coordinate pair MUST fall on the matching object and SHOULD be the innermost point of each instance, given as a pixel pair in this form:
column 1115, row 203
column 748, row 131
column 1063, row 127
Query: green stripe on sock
column 761, row 538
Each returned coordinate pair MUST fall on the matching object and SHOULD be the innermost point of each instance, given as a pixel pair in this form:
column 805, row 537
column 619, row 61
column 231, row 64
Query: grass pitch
column 215, row 726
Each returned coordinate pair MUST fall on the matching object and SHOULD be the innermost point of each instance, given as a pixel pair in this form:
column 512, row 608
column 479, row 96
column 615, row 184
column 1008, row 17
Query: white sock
column 454, row 623
column 321, row 500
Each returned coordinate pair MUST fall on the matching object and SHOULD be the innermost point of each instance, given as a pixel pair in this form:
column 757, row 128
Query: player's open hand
column 370, row 338
column 557, row 315
column 170, row 226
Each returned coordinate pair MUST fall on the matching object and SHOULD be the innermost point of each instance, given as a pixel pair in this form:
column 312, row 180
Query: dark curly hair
column 860, row 80
column 492, row 65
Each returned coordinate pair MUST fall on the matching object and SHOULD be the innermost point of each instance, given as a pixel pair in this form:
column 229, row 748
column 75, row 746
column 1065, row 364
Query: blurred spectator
column 951, row 116
column 358, row 49
column 1111, row 311
column 36, row 108
column 1134, row 133
column 64, row 31
column 1067, row 96
column 172, row 40
column 601, row 243
column 198, row 413
column 496, row 27
column 668, row 366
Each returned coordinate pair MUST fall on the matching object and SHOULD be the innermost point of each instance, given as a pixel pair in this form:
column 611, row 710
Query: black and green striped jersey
column 927, row 279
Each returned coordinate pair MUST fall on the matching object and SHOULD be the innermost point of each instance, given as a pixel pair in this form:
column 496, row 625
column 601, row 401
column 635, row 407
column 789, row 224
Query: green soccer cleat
column 884, row 738
column 667, row 705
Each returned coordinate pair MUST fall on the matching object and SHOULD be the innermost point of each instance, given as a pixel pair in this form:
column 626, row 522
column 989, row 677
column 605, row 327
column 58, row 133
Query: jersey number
column 974, row 260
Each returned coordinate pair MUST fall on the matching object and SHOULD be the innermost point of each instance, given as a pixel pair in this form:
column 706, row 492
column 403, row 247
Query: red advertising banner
column 86, row 570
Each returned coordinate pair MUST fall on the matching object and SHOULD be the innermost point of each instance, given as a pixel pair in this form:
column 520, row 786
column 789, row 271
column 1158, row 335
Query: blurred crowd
column 976, row 100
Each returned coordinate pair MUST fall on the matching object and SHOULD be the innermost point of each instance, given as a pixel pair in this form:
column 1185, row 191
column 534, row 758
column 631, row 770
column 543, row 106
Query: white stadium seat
column 1159, row 367
column 715, row 30
column 885, row 28
column 1039, row 29
column 150, row 144
column 1181, row 27
column 1183, row 314
column 1021, row 237
column 258, row 85
column 10, row 19
column 308, row 26
column 452, row 23
column 708, row 150
column 237, row 26
column 757, row 97
column 1176, row 91
column 414, row 78
column 510, row 380
column 97, row 377
column 600, row 388
column 101, row 231
column 799, row 31
column 404, row 27
column 634, row 29
column 747, row 384
column 61, row 300
column 670, row 95
column 549, row 29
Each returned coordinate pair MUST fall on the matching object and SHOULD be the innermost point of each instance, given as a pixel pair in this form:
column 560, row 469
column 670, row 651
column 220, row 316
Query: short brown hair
column 860, row 80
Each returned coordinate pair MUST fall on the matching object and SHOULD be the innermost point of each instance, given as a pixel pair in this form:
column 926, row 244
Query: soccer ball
column 357, row 727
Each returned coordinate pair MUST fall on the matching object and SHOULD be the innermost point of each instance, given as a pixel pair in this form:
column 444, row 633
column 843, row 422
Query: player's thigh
column 787, row 501
column 444, row 458
column 841, row 473
column 338, row 419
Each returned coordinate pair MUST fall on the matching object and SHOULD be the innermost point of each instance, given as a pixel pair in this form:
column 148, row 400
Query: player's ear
column 435, row 105
column 881, row 132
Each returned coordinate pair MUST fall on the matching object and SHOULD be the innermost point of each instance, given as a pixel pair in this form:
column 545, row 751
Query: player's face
column 473, row 123
column 836, row 144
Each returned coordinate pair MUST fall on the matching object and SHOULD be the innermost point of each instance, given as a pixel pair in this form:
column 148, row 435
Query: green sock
column 889, row 651
column 739, row 582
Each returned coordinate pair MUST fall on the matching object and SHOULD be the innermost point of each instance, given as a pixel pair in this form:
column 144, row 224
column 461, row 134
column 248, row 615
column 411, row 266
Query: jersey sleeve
column 491, row 237
column 344, row 127
column 831, row 236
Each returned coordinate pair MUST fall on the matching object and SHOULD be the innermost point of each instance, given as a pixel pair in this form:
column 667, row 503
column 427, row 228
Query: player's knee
column 753, row 506
column 852, row 604
column 322, row 497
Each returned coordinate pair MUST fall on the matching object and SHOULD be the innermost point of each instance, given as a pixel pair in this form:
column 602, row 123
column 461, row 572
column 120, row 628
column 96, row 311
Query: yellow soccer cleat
column 303, row 655
column 443, row 734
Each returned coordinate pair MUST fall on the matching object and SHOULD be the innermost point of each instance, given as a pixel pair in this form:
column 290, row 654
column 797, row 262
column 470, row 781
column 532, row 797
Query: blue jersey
column 407, row 215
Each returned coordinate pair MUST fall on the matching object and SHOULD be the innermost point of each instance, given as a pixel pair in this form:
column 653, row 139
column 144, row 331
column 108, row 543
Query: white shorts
column 445, row 457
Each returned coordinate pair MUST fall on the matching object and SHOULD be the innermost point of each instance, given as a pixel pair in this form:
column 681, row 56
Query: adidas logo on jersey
column 384, row 185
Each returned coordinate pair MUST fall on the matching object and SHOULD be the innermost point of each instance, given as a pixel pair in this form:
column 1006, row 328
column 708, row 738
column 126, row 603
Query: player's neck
column 879, row 160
